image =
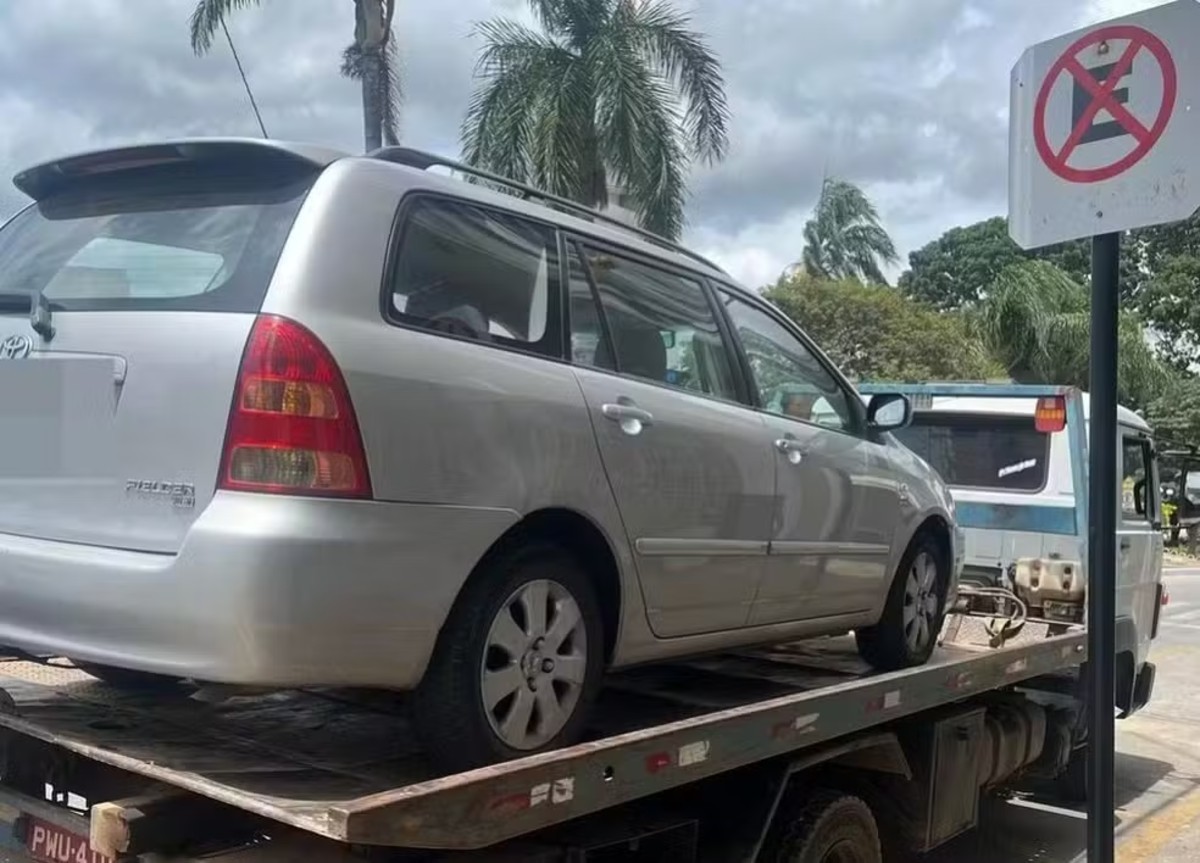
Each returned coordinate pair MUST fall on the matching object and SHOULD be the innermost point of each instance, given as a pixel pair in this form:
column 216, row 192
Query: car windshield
column 980, row 451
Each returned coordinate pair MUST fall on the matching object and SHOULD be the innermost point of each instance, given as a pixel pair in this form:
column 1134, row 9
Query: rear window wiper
column 34, row 304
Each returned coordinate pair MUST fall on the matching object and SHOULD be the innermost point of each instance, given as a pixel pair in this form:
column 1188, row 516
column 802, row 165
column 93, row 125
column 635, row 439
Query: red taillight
column 1051, row 414
column 292, row 428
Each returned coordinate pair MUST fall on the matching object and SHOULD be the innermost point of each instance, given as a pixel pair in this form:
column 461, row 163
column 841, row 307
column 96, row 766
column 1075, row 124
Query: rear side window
column 177, row 244
column 660, row 325
column 478, row 274
column 981, row 451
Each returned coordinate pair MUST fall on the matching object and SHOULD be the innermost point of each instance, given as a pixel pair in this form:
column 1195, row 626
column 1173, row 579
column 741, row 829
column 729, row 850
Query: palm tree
column 609, row 92
column 371, row 59
column 843, row 239
column 1037, row 322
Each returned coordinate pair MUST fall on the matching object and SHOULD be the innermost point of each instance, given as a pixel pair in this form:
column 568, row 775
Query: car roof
column 600, row 230
column 51, row 176
column 985, row 405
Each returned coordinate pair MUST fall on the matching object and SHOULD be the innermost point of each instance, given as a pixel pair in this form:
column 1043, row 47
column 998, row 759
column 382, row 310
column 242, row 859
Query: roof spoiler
column 43, row 180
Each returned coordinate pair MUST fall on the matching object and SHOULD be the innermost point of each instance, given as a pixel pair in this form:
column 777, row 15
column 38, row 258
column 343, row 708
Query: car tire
column 825, row 826
column 507, row 680
column 912, row 616
column 127, row 679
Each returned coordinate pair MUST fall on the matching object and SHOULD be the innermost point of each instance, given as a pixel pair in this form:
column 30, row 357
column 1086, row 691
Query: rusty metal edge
column 478, row 808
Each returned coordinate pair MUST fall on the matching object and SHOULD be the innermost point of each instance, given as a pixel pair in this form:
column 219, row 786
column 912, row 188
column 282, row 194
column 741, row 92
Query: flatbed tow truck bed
column 341, row 765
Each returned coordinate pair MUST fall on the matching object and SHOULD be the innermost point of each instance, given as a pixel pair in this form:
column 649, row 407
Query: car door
column 1139, row 540
column 837, row 496
column 686, row 463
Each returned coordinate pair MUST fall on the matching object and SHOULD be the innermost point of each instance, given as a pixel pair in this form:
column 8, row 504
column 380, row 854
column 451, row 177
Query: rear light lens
column 1051, row 414
column 292, row 428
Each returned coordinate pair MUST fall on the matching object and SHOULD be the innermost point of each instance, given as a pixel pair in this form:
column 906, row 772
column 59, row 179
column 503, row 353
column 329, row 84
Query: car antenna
column 245, row 81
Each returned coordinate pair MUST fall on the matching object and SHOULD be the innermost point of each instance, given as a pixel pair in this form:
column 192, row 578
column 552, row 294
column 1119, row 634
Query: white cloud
column 908, row 98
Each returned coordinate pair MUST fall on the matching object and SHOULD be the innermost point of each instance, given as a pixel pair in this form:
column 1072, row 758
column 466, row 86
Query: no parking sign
column 1104, row 128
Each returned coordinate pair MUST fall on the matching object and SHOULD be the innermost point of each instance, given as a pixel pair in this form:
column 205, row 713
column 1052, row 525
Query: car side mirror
column 888, row 411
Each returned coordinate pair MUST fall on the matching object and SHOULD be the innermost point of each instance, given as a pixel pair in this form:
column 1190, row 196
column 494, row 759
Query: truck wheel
column 912, row 618
column 517, row 665
column 826, row 827
column 1072, row 784
column 127, row 679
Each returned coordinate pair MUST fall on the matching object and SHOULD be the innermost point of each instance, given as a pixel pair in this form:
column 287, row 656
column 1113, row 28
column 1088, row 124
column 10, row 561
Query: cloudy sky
column 907, row 98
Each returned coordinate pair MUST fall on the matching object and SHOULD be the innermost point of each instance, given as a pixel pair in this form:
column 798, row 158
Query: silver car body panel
column 718, row 540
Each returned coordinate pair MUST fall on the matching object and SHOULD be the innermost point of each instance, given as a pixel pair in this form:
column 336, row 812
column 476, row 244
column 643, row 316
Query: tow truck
column 794, row 752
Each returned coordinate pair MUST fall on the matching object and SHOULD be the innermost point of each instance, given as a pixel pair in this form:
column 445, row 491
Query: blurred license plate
column 53, row 844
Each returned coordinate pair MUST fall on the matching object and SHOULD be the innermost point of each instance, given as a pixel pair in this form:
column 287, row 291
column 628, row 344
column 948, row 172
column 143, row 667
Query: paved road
column 1157, row 768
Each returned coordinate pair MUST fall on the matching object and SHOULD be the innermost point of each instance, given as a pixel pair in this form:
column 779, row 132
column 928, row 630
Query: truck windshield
column 981, row 450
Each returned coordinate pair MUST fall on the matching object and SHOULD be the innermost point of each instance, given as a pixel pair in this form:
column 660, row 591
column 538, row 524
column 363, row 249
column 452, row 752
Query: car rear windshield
column 200, row 243
column 978, row 451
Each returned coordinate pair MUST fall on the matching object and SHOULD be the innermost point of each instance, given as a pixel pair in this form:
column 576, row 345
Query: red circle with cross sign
column 1103, row 98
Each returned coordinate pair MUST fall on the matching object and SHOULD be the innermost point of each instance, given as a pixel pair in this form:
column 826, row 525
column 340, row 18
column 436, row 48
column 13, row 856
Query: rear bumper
column 266, row 590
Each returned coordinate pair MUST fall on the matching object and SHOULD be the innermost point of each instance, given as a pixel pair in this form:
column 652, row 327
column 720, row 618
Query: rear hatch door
column 127, row 291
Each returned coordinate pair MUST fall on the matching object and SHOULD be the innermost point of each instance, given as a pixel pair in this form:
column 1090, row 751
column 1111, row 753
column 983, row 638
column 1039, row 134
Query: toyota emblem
column 15, row 347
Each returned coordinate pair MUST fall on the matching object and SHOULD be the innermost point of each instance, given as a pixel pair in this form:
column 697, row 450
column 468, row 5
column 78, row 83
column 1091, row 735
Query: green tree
column 1170, row 302
column 1036, row 320
column 1168, row 289
column 844, row 239
column 1175, row 414
column 608, row 93
column 371, row 59
column 955, row 270
column 874, row 333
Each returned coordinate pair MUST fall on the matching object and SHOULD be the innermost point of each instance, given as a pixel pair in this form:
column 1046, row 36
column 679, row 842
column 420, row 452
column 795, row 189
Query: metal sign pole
column 1102, row 546
column 1103, row 124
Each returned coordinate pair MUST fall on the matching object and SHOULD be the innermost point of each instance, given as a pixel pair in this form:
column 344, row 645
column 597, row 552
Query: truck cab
column 1009, row 465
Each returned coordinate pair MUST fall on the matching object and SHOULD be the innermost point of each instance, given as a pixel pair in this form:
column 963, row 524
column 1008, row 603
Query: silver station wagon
column 276, row 416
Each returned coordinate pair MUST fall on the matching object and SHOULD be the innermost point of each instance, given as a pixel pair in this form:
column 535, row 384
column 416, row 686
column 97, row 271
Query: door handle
column 791, row 448
column 1125, row 543
column 629, row 417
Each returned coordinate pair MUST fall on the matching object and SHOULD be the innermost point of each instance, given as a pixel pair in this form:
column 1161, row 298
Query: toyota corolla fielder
column 280, row 417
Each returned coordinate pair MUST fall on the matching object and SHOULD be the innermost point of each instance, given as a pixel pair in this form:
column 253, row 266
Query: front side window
column 661, row 327
column 1137, row 499
column 477, row 274
column 790, row 380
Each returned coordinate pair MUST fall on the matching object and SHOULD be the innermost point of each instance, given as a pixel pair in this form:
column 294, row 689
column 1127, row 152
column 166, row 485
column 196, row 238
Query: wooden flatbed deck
column 343, row 765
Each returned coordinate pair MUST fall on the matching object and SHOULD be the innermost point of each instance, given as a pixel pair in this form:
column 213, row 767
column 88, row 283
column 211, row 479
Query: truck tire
column 912, row 617
column 1072, row 784
column 825, row 827
column 517, row 665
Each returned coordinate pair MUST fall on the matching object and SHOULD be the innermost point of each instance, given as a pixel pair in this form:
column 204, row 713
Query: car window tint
column 477, row 274
column 790, row 380
column 662, row 325
column 1134, row 488
column 989, row 451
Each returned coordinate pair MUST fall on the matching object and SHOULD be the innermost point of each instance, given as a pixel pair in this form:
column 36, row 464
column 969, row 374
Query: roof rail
column 424, row 161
